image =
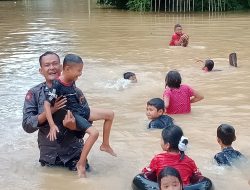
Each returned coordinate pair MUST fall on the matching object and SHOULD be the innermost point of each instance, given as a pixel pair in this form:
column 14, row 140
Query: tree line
column 178, row 5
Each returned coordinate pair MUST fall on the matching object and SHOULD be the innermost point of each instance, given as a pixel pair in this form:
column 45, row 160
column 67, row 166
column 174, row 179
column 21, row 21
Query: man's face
column 50, row 67
column 178, row 30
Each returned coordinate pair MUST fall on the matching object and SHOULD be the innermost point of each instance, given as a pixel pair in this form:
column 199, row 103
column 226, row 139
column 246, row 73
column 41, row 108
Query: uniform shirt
column 49, row 150
column 175, row 39
column 75, row 101
column 186, row 167
column 227, row 156
column 179, row 99
column 161, row 122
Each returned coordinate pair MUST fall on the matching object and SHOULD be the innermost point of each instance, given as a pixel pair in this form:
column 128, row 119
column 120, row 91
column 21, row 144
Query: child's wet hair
column 173, row 79
column 127, row 75
column 72, row 59
column 177, row 25
column 169, row 171
column 209, row 64
column 173, row 135
column 158, row 103
column 226, row 133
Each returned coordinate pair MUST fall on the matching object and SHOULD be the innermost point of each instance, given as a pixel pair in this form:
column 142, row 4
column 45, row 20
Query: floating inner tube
column 141, row 183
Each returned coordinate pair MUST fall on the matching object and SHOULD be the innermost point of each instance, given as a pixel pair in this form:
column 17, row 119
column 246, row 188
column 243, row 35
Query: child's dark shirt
column 227, row 156
column 161, row 122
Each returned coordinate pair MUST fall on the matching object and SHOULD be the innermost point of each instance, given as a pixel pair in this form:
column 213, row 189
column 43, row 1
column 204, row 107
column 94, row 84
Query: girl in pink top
column 178, row 97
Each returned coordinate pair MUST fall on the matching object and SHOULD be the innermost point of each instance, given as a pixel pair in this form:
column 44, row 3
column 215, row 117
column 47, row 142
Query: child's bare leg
column 108, row 117
column 106, row 133
column 93, row 135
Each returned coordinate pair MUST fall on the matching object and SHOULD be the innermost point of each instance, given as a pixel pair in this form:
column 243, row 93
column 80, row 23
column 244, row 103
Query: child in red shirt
column 179, row 38
column 174, row 144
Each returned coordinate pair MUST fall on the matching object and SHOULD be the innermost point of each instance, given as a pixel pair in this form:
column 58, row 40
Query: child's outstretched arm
column 197, row 97
column 53, row 128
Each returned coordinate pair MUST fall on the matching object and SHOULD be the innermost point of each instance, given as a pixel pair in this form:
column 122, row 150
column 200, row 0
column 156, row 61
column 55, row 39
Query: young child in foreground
column 179, row 38
column 178, row 97
column 225, row 138
column 174, row 145
column 155, row 112
column 65, row 86
column 169, row 179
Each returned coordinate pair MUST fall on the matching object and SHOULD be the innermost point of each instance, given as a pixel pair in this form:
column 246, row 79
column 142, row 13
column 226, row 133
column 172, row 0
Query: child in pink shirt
column 178, row 97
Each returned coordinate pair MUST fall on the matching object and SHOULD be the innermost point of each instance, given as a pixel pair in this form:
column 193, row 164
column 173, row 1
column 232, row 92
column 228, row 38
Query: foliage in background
column 139, row 5
column 144, row 5
column 120, row 4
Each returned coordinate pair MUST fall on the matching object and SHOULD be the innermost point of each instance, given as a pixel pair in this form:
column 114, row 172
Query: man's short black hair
column 47, row 53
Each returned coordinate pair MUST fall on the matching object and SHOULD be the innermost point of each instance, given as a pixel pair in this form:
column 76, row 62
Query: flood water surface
column 112, row 42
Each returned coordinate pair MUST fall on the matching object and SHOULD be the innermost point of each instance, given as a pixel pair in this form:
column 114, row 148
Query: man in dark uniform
column 51, row 153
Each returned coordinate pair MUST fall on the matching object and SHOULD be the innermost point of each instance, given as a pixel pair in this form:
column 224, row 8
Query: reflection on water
column 112, row 42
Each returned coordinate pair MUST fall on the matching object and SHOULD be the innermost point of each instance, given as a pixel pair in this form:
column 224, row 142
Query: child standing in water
column 225, row 138
column 179, row 38
column 174, row 145
column 169, row 179
column 178, row 97
column 65, row 86
column 155, row 112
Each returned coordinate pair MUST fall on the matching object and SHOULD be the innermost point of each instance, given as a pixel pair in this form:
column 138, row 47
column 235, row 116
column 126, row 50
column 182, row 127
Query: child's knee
column 111, row 114
column 93, row 132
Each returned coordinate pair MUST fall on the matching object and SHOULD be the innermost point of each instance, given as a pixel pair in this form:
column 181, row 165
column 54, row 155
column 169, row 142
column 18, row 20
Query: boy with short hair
column 179, row 38
column 155, row 110
column 225, row 138
column 65, row 86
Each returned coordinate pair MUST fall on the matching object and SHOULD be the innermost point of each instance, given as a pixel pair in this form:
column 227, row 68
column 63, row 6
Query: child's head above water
column 209, row 65
column 173, row 79
column 173, row 140
column 130, row 76
column 155, row 108
column 178, row 29
column 72, row 59
column 169, row 179
column 225, row 135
